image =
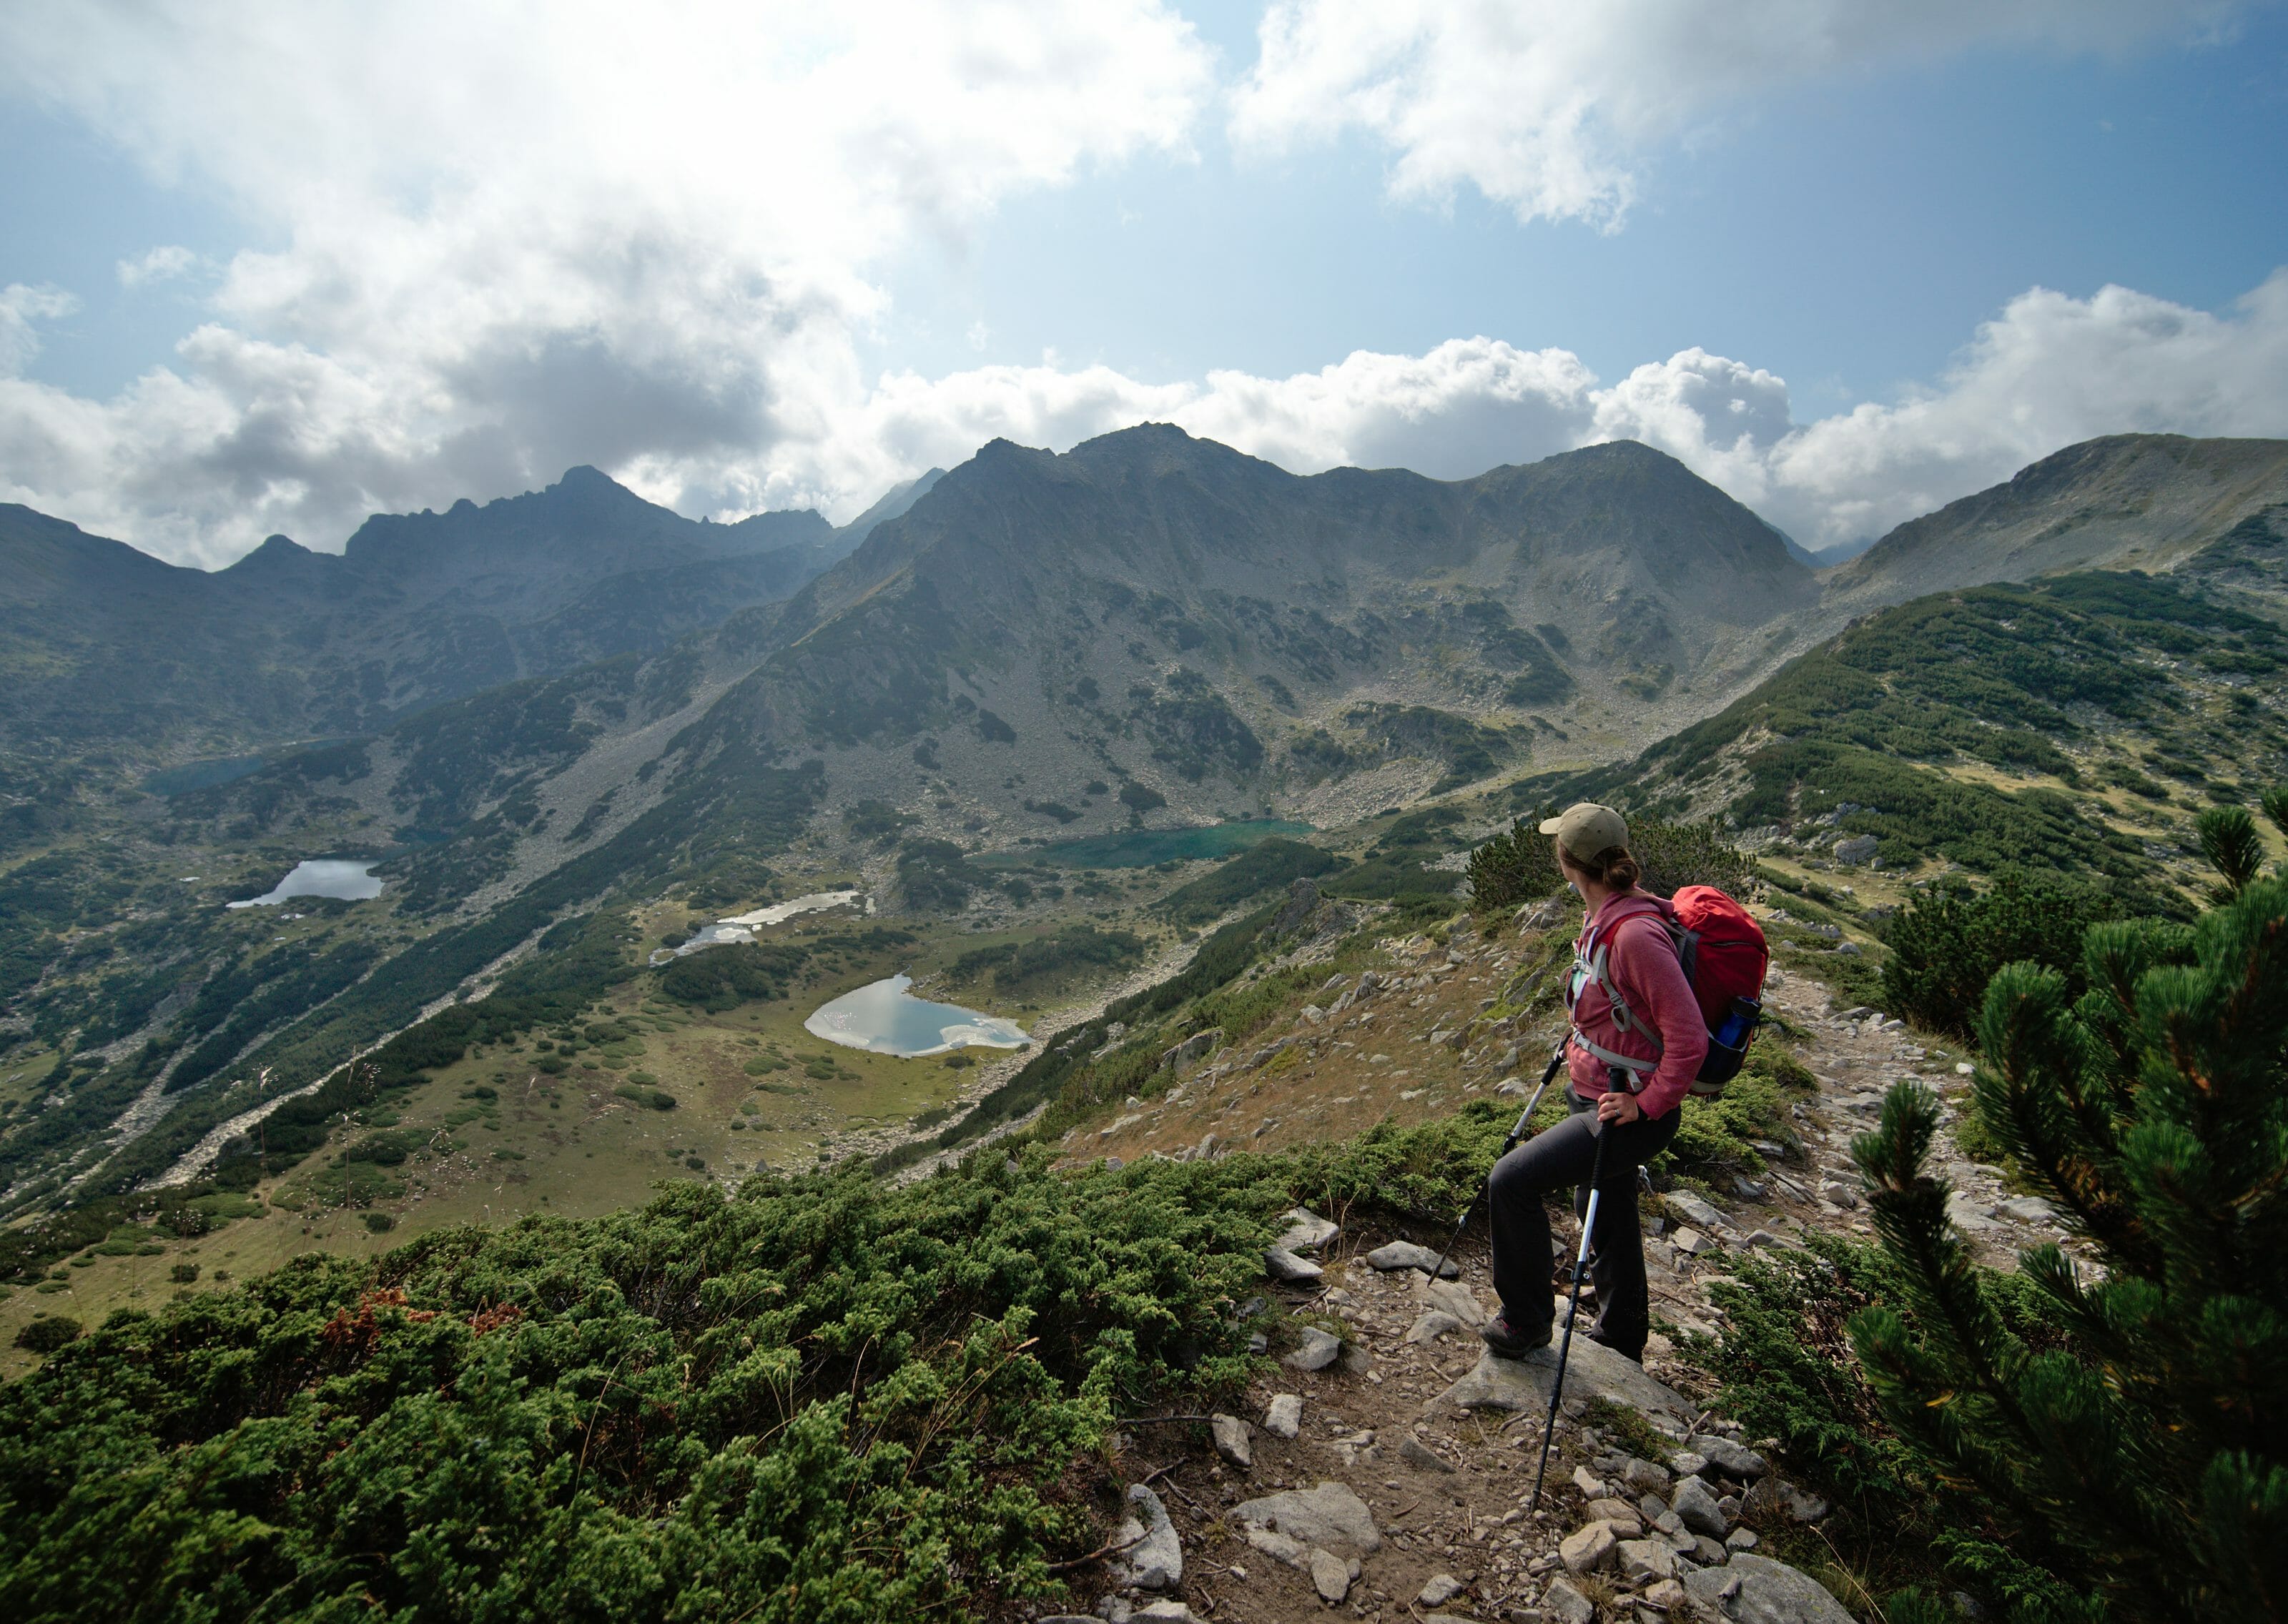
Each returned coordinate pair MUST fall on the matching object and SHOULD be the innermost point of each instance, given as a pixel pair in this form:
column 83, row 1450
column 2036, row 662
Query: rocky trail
column 1386, row 1471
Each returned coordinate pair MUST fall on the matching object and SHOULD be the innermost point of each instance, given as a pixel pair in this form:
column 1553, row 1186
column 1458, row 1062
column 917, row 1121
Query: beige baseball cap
column 1587, row 830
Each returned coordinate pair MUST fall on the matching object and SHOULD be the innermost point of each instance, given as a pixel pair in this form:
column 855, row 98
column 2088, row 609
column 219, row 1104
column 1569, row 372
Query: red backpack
column 1722, row 951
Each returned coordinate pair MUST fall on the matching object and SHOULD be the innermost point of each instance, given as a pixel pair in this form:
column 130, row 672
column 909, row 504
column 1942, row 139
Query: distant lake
column 320, row 877
column 1142, row 848
column 884, row 1018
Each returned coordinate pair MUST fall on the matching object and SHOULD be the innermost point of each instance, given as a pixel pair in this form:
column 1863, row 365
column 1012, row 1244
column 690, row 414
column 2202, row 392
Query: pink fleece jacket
column 1642, row 962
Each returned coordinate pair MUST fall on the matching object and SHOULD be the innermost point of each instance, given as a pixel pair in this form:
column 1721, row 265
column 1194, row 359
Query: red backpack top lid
column 1730, row 957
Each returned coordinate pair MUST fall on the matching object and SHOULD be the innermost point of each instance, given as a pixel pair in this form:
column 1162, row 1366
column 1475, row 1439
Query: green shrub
column 1946, row 945
column 46, row 1335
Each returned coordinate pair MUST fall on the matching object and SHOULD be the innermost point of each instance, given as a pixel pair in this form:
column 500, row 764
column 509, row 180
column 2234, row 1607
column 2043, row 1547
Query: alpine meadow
column 947, row 853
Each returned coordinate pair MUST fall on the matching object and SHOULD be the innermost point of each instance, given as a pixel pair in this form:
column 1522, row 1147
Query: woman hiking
column 1627, row 1070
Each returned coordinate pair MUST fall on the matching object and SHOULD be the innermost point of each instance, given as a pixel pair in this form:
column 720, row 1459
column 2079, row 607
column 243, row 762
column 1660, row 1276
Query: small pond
column 320, row 877
column 884, row 1018
column 1142, row 848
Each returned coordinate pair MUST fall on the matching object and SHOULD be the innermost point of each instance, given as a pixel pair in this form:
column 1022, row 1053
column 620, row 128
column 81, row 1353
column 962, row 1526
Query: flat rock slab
column 1331, row 1514
column 1762, row 1591
column 1284, row 1266
column 1593, row 1371
column 1406, row 1255
column 1307, row 1230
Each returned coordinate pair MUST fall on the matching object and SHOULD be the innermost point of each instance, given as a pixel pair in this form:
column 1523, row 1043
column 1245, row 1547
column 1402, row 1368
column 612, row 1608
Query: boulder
column 1752, row 1590
column 1231, row 1440
column 1307, row 1230
column 1317, row 1349
column 1155, row 1560
column 1331, row 1514
column 1439, row 1589
column 1282, row 1417
column 1586, row 1549
column 1645, row 1562
column 1697, row 1507
column 1732, row 1459
column 1562, row 1603
column 1284, row 1266
column 1192, row 1050
column 1431, row 1325
column 1594, row 1371
column 1406, row 1255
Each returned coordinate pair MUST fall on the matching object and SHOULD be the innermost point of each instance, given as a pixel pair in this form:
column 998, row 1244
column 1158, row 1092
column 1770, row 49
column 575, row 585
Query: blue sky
column 1846, row 264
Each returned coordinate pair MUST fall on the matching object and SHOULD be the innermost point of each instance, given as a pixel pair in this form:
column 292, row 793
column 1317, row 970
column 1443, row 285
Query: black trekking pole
column 1508, row 1145
column 1572, row 1313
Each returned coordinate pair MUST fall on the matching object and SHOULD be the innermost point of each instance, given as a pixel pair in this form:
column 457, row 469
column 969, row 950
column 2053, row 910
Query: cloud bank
column 514, row 237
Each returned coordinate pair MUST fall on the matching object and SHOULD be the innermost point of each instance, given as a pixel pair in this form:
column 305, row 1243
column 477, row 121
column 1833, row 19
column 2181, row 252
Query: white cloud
column 21, row 306
column 1544, row 106
column 517, row 236
column 161, row 264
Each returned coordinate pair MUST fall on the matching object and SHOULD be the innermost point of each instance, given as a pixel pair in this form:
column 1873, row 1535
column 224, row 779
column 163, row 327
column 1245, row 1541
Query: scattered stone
column 1691, row 1242
column 1330, row 1577
column 1965, row 1213
column 1318, row 1349
column 1591, row 1486
column 1231, row 1440
column 1156, row 1561
column 2031, row 1209
column 1332, row 1515
column 1668, row 1595
column 1406, row 1255
column 1752, row 1589
column 1451, row 1296
column 1282, row 1417
column 1839, row 1194
column 1279, row 1548
column 1439, row 1589
column 1431, row 1325
column 1644, row 1474
column 1355, row 1360
column 1594, row 1371
column 1732, row 1459
column 1164, row 1612
column 1652, row 1508
column 1774, row 1492
column 1414, row 1452
column 1285, row 1267
column 1561, row 1603
column 1307, row 1230
column 1697, row 1507
column 1741, row 1538
column 1624, row 1518
column 1586, row 1549
column 1645, row 1562
column 1688, row 1462
column 1692, row 1209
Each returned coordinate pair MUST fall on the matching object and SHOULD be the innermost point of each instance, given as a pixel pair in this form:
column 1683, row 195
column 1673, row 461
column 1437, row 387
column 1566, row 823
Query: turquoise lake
column 1142, row 848
column 886, row 1019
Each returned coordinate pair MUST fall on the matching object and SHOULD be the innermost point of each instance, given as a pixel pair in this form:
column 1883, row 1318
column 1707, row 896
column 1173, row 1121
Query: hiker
column 1620, row 1081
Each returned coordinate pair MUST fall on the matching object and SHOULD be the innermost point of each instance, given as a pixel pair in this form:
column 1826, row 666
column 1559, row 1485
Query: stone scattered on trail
column 1164, row 1612
column 1307, row 1230
column 1439, row 1589
column 1561, row 1603
column 1694, row 1210
column 1282, row 1417
column 1330, row 1576
column 1586, row 1549
column 1733, row 1460
column 1318, row 1349
column 1741, row 1538
column 1644, row 1476
column 1332, row 1515
column 1289, row 1270
column 1594, row 1371
column 1645, row 1562
column 1624, row 1519
column 1414, row 1452
column 1231, row 1440
column 1278, row 1547
column 1772, row 1489
column 1156, row 1561
column 1761, row 1591
column 1591, row 1486
column 1697, row 1507
column 1430, row 1324
column 1406, row 1255
column 1691, row 1242
column 1448, row 1296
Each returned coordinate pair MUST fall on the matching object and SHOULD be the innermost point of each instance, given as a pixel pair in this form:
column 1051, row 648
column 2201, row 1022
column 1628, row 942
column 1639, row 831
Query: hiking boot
column 1510, row 1343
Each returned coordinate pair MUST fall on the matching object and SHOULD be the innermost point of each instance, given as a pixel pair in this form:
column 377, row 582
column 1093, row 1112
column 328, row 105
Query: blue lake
column 320, row 877
column 886, row 1019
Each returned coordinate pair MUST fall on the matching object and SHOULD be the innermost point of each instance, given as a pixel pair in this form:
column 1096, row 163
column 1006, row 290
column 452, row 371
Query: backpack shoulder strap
column 1591, row 957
